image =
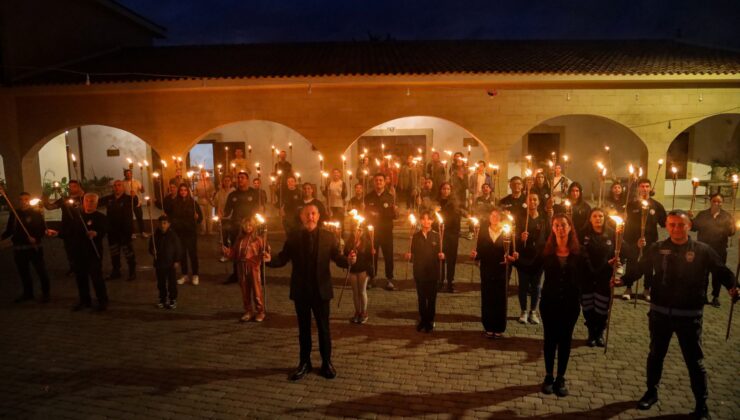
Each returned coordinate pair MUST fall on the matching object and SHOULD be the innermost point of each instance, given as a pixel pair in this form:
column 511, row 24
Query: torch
column 617, row 248
column 629, row 187
column 476, row 229
column 507, row 246
column 290, row 148
column 568, row 208
column 496, row 183
column 263, row 223
column 565, row 163
column 737, row 273
column 441, row 241
column 226, row 152
column 660, row 165
column 412, row 230
column 512, row 222
column 74, row 165
column 694, row 186
column 645, row 206
column 371, row 230
column 358, row 236
column 529, row 186
column 734, row 193
column 602, row 179
column 84, row 226
column 272, row 158
column 674, row 175
column 151, row 224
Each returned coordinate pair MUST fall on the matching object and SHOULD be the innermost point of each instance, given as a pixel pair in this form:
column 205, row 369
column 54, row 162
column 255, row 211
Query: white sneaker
column 196, row 280
column 145, row 235
column 646, row 293
column 533, row 318
column 627, row 295
column 133, row 236
column 523, row 318
column 182, row 280
column 223, row 259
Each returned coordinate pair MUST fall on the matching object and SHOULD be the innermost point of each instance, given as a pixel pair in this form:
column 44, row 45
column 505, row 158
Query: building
column 646, row 100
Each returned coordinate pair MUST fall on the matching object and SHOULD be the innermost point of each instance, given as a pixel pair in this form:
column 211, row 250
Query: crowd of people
column 561, row 249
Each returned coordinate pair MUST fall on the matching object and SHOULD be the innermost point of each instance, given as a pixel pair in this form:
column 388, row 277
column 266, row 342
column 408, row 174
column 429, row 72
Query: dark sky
column 711, row 22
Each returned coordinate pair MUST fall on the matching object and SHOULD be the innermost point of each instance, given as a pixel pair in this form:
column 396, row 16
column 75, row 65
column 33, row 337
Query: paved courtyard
column 137, row 361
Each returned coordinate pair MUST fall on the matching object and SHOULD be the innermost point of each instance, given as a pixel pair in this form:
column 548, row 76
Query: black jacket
column 714, row 231
column 364, row 255
column 490, row 254
column 530, row 260
column 380, row 210
column 120, row 212
column 599, row 248
column 95, row 221
column 169, row 249
column 424, row 256
column 561, row 287
column 310, row 273
column 33, row 220
column 656, row 216
column 183, row 216
column 680, row 273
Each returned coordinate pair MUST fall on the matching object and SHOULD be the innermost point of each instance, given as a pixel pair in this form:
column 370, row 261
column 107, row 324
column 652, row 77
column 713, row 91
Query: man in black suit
column 310, row 249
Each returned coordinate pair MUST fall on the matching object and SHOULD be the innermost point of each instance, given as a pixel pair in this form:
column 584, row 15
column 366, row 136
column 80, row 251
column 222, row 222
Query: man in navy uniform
column 380, row 210
column 679, row 265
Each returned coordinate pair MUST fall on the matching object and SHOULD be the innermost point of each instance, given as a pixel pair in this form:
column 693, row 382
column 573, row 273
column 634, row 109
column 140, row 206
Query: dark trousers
column 493, row 302
column 426, row 292
column 139, row 218
column 529, row 285
column 558, row 321
column 688, row 330
column 320, row 309
column 166, row 283
column 189, row 241
column 449, row 247
column 633, row 267
column 715, row 281
column 121, row 242
column 595, row 298
column 90, row 269
column 24, row 259
column 69, row 252
column 384, row 242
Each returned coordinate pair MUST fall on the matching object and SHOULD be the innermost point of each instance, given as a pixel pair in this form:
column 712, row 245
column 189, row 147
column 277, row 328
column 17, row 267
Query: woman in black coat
column 186, row 216
column 560, row 307
column 490, row 252
column 597, row 240
column 578, row 207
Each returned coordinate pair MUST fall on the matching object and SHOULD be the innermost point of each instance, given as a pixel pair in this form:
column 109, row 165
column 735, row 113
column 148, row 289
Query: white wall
column 53, row 160
column 443, row 135
column 261, row 135
column 583, row 139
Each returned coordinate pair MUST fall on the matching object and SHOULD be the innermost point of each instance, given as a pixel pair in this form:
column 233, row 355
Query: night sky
column 708, row 22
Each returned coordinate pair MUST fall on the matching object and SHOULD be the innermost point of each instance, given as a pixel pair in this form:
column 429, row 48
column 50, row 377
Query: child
column 359, row 242
column 248, row 251
column 167, row 251
column 425, row 251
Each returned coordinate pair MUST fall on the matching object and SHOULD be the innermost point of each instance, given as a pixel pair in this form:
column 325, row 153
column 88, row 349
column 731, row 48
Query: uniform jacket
column 310, row 268
column 241, row 205
column 714, row 231
column 424, row 256
column 656, row 216
column 680, row 273
column 120, row 212
column 380, row 210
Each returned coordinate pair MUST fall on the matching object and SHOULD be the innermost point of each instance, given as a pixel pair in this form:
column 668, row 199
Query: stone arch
column 707, row 143
column 53, row 152
column 583, row 138
column 261, row 135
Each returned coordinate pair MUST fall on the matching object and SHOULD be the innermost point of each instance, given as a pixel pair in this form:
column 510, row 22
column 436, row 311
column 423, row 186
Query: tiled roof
column 612, row 57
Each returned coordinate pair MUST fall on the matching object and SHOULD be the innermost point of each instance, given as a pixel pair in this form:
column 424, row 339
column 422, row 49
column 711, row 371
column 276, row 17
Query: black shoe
column 114, row 275
column 715, row 302
column 591, row 341
column 547, row 385
column 701, row 412
column 131, row 275
column 429, row 327
column 419, row 326
column 328, row 371
column 450, row 289
column 101, row 307
column 23, row 298
column 301, row 371
column 229, row 281
column 647, row 400
column 70, row 273
column 600, row 341
column 81, row 306
column 559, row 387
column 45, row 299
column 370, row 284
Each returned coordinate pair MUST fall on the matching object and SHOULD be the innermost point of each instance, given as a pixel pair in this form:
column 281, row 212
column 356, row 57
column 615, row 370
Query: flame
column 439, row 217
column 349, row 172
column 353, row 212
column 603, row 172
column 565, row 158
column 412, row 219
column 510, row 217
column 127, row 160
column 695, row 180
column 398, row 165
column 734, row 179
column 600, row 165
column 660, row 162
column 155, row 174
column 370, row 228
column 606, row 148
column 674, row 169
column 528, row 157
column 321, row 158
column 146, row 163
column 297, row 175
column 549, row 163
column 475, row 221
column 631, row 169
column 343, row 158
column 215, row 218
column 146, row 198
column 418, row 149
column 163, row 163
column 280, row 172
column 325, row 174
column 259, row 218
column 200, row 166
column 189, row 174
column 567, row 203
column 34, row 201
column 528, row 173
column 448, row 152
column 645, row 204
column 506, row 228
column 639, row 172
column 290, row 144
column 618, row 220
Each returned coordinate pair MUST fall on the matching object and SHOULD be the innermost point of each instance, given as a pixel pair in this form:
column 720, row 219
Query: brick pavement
column 136, row 361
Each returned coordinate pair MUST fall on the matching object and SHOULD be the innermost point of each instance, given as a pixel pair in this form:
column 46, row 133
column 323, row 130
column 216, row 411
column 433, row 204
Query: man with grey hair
column 88, row 229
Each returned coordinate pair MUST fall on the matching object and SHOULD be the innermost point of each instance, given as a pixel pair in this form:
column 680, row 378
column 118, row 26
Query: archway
column 417, row 136
column 708, row 151
column 93, row 154
column 261, row 141
column 579, row 142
